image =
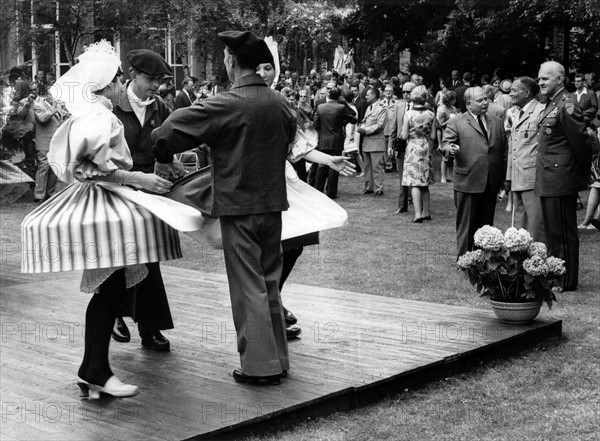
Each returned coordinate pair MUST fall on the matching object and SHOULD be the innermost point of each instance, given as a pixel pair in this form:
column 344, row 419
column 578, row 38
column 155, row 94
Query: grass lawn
column 549, row 392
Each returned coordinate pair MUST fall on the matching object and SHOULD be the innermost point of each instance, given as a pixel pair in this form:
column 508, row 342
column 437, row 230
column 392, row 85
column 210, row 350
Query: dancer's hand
column 153, row 183
column 341, row 165
column 169, row 170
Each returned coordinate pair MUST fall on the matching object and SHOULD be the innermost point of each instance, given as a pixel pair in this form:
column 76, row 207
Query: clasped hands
column 170, row 170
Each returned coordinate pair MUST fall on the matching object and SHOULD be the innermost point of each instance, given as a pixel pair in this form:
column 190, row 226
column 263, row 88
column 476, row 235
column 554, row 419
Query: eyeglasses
column 406, row 91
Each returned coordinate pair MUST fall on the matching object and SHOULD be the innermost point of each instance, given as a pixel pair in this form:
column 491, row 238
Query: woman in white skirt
column 98, row 225
column 318, row 212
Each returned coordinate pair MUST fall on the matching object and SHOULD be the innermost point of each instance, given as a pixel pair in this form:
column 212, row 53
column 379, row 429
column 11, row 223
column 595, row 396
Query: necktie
column 521, row 112
column 480, row 121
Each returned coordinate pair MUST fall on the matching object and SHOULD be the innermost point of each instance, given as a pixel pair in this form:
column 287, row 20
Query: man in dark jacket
column 330, row 119
column 562, row 169
column 140, row 112
column 248, row 129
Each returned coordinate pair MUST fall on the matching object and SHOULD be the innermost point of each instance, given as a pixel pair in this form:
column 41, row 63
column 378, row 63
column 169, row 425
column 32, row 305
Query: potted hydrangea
column 513, row 271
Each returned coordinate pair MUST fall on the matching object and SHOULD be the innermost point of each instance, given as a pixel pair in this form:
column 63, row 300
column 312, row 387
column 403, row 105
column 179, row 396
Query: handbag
column 351, row 145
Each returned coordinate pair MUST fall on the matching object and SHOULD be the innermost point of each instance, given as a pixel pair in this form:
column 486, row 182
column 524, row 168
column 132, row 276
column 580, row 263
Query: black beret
column 148, row 62
column 248, row 46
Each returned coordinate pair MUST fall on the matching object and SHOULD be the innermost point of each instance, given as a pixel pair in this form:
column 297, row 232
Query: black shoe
column 332, row 197
column 240, row 377
column 293, row 332
column 378, row 193
column 38, row 200
column 569, row 288
column 595, row 223
column 401, row 210
column 428, row 217
column 290, row 319
column 418, row 220
column 120, row 331
column 155, row 341
column 367, row 192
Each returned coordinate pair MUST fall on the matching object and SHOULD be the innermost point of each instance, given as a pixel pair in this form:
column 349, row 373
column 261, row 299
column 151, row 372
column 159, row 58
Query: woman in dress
column 418, row 130
column 106, row 229
column 445, row 111
column 320, row 205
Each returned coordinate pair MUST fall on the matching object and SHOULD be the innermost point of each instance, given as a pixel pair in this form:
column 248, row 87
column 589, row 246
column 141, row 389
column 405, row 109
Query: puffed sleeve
column 97, row 138
column 304, row 142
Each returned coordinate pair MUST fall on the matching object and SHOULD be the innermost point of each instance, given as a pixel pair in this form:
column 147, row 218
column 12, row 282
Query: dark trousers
column 253, row 260
column 562, row 239
column 147, row 302
column 300, row 167
column 403, row 197
column 312, row 175
column 326, row 175
column 99, row 319
column 473, row 211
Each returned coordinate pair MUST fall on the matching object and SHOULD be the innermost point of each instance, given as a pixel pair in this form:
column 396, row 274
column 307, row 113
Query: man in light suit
column 562, row 168
column 522, row 153
column 396, row 131
column 373, row 144
column 586, row 99
column 478, row 143
column 186, row 97
column 46, row 115
column 330, row 119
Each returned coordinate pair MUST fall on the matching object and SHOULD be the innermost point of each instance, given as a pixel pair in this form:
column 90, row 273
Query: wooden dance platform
column 355, row 348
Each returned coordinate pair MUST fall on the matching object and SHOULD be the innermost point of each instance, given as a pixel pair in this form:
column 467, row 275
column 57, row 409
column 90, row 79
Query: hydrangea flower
column 469, row 259
column 538, row 249
column 517, row 240
column 556, row 266
column 489, row 238
column 535, row 266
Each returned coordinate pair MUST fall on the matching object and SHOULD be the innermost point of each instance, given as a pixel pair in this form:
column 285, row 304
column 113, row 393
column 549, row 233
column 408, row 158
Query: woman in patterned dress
column 419, row 130
column 97, row 225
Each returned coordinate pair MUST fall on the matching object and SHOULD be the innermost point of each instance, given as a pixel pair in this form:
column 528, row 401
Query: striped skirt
column 88, row 226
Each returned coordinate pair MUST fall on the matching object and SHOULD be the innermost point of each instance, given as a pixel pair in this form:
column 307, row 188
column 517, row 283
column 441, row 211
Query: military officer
column 522, row 152
column 562, row 168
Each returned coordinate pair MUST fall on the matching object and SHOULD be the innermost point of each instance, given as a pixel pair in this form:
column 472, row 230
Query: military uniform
column 562, row 169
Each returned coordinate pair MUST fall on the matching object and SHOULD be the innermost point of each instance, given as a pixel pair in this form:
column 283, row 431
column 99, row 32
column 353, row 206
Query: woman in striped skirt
column 97, row 224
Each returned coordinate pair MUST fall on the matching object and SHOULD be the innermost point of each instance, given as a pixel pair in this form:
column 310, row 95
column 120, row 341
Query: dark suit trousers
column 253, row 259
column 473, row 211
column 403, row 197
column 326, row 175
column 562, row 239
column 147, row 302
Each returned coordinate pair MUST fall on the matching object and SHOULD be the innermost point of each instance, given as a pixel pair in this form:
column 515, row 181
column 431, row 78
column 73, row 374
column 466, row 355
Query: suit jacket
column 182, row 99
column 330, row 119
column 390, row 107
column 480, row 163
column 248, row 129
column 589, row 105
column 46, row 124
column 373, row 123
column 564, row 152
column 523, row 146
column 361, row 107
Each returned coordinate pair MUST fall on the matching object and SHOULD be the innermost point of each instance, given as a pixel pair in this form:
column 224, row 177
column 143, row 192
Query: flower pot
column 516, row 313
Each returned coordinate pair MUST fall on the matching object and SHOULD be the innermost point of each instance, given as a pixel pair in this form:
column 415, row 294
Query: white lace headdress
column 98, row 65
column 272, row 45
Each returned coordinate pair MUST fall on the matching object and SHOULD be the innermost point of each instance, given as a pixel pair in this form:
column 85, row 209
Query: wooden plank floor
column 355, row 348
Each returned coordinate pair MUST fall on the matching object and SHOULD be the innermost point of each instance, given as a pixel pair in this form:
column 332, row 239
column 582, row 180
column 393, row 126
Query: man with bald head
column 522, row 153
column 562, row 168
column 478, row 144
